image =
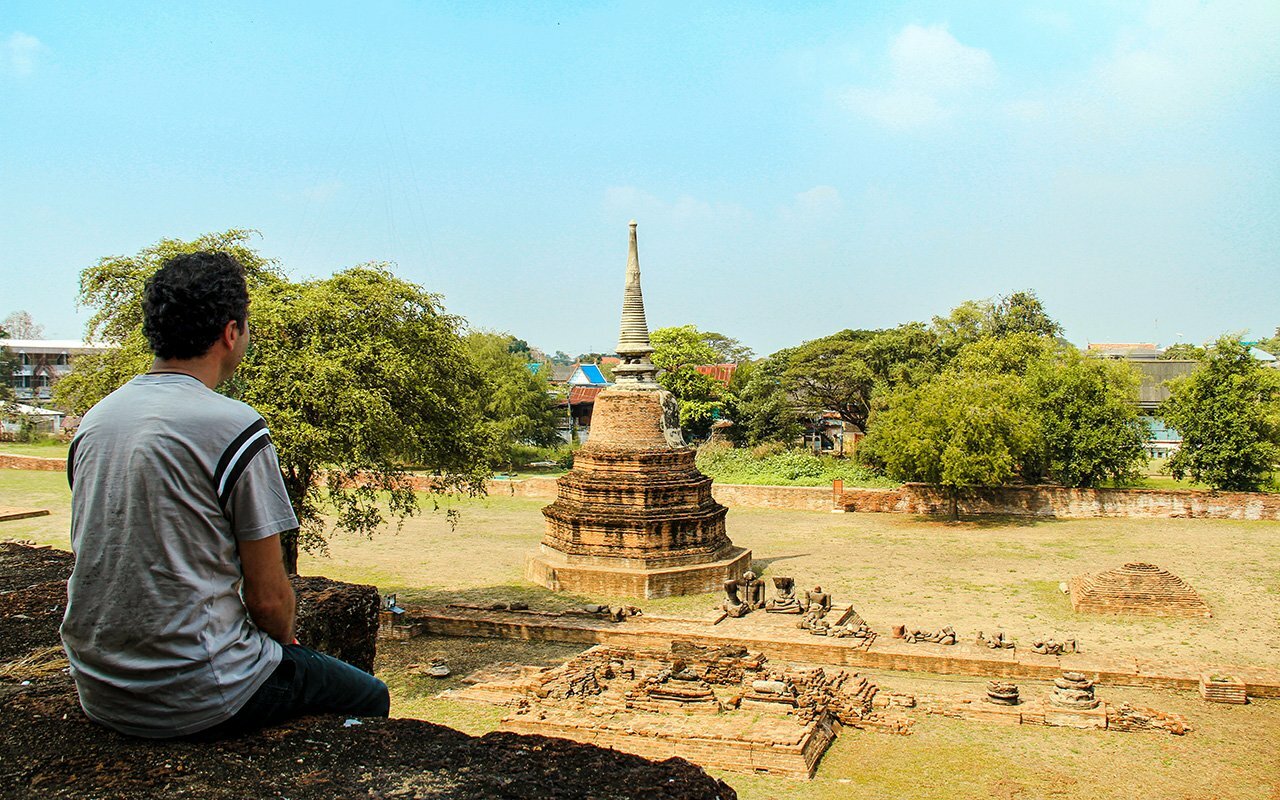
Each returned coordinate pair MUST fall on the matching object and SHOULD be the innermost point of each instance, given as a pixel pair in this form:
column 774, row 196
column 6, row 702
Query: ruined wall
column 788, row 498
column 1058, row 501
column 33, row 462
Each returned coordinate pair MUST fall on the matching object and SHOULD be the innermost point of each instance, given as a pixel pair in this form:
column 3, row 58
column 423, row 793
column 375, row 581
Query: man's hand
column 267, row 592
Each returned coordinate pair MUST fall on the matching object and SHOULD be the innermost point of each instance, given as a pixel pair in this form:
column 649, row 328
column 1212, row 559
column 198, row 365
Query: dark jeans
column 307, row 682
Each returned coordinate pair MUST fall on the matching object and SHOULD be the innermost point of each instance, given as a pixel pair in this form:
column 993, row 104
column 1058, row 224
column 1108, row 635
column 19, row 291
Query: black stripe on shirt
column 71, row 463
column 224, row 463
column 255, row 447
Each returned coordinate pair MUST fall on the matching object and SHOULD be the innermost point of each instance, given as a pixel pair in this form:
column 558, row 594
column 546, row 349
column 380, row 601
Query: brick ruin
column 635, row 517
column 723, row 707
column 1136, row 588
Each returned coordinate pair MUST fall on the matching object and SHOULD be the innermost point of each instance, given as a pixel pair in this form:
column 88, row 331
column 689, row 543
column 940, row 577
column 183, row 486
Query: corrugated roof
column 1152, row 391
column 721, row 372
column 582, row 394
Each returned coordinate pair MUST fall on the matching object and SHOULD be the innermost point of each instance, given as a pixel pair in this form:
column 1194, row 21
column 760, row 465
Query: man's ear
column 230, row 333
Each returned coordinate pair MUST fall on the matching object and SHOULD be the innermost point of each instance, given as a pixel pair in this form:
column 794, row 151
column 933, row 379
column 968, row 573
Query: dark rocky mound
column 48, row 748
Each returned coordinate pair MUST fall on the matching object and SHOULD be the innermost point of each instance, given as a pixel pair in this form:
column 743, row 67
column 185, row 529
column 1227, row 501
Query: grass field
column 988, row 574
column 45, row 449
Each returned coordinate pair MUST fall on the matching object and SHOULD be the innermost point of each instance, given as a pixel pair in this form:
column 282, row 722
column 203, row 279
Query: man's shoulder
column 177, row 405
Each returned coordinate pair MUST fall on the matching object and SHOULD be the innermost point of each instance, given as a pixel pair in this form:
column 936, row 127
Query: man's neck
column 205, row 370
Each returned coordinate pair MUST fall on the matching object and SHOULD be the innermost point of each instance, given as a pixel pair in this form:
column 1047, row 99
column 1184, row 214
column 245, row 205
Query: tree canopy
column 1228, row 414
column 516, row 405
column 20, row 325
column 1079, row 415
column 678, row 351
column 358, row 375
column 958, row 431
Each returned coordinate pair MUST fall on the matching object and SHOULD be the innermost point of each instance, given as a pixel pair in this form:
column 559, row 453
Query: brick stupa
column 635, row 517
column 1136, row 588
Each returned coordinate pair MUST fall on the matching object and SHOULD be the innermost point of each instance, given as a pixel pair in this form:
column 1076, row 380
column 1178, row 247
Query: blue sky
column 795, row 168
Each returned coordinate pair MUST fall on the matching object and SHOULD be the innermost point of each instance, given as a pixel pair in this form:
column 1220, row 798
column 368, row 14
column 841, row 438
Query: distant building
column 584, row 382
column 43, row 420
column 40, row 363
column 721, row 372
column 1130, row 351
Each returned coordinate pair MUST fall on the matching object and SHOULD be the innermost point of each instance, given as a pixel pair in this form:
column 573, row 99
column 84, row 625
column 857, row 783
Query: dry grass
column 34, row 665
column 974, row 575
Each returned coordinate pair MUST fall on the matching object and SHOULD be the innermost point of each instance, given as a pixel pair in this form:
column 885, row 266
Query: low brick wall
column 1058, row 501
column 789, row 498
column 33, row 462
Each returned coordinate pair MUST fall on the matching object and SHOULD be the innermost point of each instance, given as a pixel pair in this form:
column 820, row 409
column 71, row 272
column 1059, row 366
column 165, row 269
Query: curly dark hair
column 189, row 302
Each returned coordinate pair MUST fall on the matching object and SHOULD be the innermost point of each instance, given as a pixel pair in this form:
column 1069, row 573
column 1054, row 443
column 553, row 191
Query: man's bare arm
column 267, row 591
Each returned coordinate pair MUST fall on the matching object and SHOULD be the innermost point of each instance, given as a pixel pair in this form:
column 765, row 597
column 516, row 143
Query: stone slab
column 8, row 513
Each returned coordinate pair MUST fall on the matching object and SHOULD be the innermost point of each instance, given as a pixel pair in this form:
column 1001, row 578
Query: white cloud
column 819, row 200
column 18, row 53
column 930, row 74
column 684, row 211
column 322, row 192
column 932, row 59
column 1188, row 57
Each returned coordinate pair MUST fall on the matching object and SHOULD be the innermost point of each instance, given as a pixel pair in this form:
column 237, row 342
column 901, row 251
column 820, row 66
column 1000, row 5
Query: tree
column 8, row 365
column 967, row 322
column 841, row 372
column 1184, row 351
column 1228, row 413
column 957, row 431
column 680, row 346
column 20, row 325
column 516, row 405
column 830, row 374
column 1086, row 408
column 1022, row 312
column 759, row 406
column 678, row 351
column 357, row 375
column 727, row 349
column 1272, row 345
column 1089, row 427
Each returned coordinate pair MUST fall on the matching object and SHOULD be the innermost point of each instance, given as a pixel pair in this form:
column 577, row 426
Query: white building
column 40, row 363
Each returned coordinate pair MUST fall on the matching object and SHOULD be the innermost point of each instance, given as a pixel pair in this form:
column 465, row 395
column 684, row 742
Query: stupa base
column 558, row 572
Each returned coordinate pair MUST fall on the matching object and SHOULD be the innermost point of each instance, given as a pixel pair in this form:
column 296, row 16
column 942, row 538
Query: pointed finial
column 633, row 338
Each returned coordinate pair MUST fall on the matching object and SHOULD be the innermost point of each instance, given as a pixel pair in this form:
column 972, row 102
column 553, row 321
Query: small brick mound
column 1222, row 689
column 1136, row 588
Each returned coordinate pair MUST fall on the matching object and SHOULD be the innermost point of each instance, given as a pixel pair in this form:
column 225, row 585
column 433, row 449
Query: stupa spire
column 633, row 338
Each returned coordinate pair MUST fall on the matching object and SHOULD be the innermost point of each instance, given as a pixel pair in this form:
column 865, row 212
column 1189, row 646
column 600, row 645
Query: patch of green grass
column 44, row 449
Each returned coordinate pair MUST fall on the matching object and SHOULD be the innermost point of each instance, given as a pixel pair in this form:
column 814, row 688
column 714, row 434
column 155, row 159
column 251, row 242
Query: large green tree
column 842, row 372
column 1089, row 427
column 759, row 407
column 1086, row 408
column 958, row 431
column 678, row 351
column 1228, row 414
column 1022, row 312
column 517, row 408
column 358, row 376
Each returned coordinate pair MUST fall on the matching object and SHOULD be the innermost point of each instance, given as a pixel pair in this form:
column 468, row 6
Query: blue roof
column 588, row 375
column 534, row 366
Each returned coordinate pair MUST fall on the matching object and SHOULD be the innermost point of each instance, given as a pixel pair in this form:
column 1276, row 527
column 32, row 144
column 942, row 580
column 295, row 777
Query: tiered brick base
column 1142, row 589
column 587, row 576
column 635, row 517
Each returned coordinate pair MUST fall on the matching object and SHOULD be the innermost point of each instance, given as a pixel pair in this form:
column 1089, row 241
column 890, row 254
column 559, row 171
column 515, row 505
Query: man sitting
column 179, row 615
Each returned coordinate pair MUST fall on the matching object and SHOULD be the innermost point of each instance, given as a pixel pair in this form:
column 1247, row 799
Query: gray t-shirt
column 166, row 477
